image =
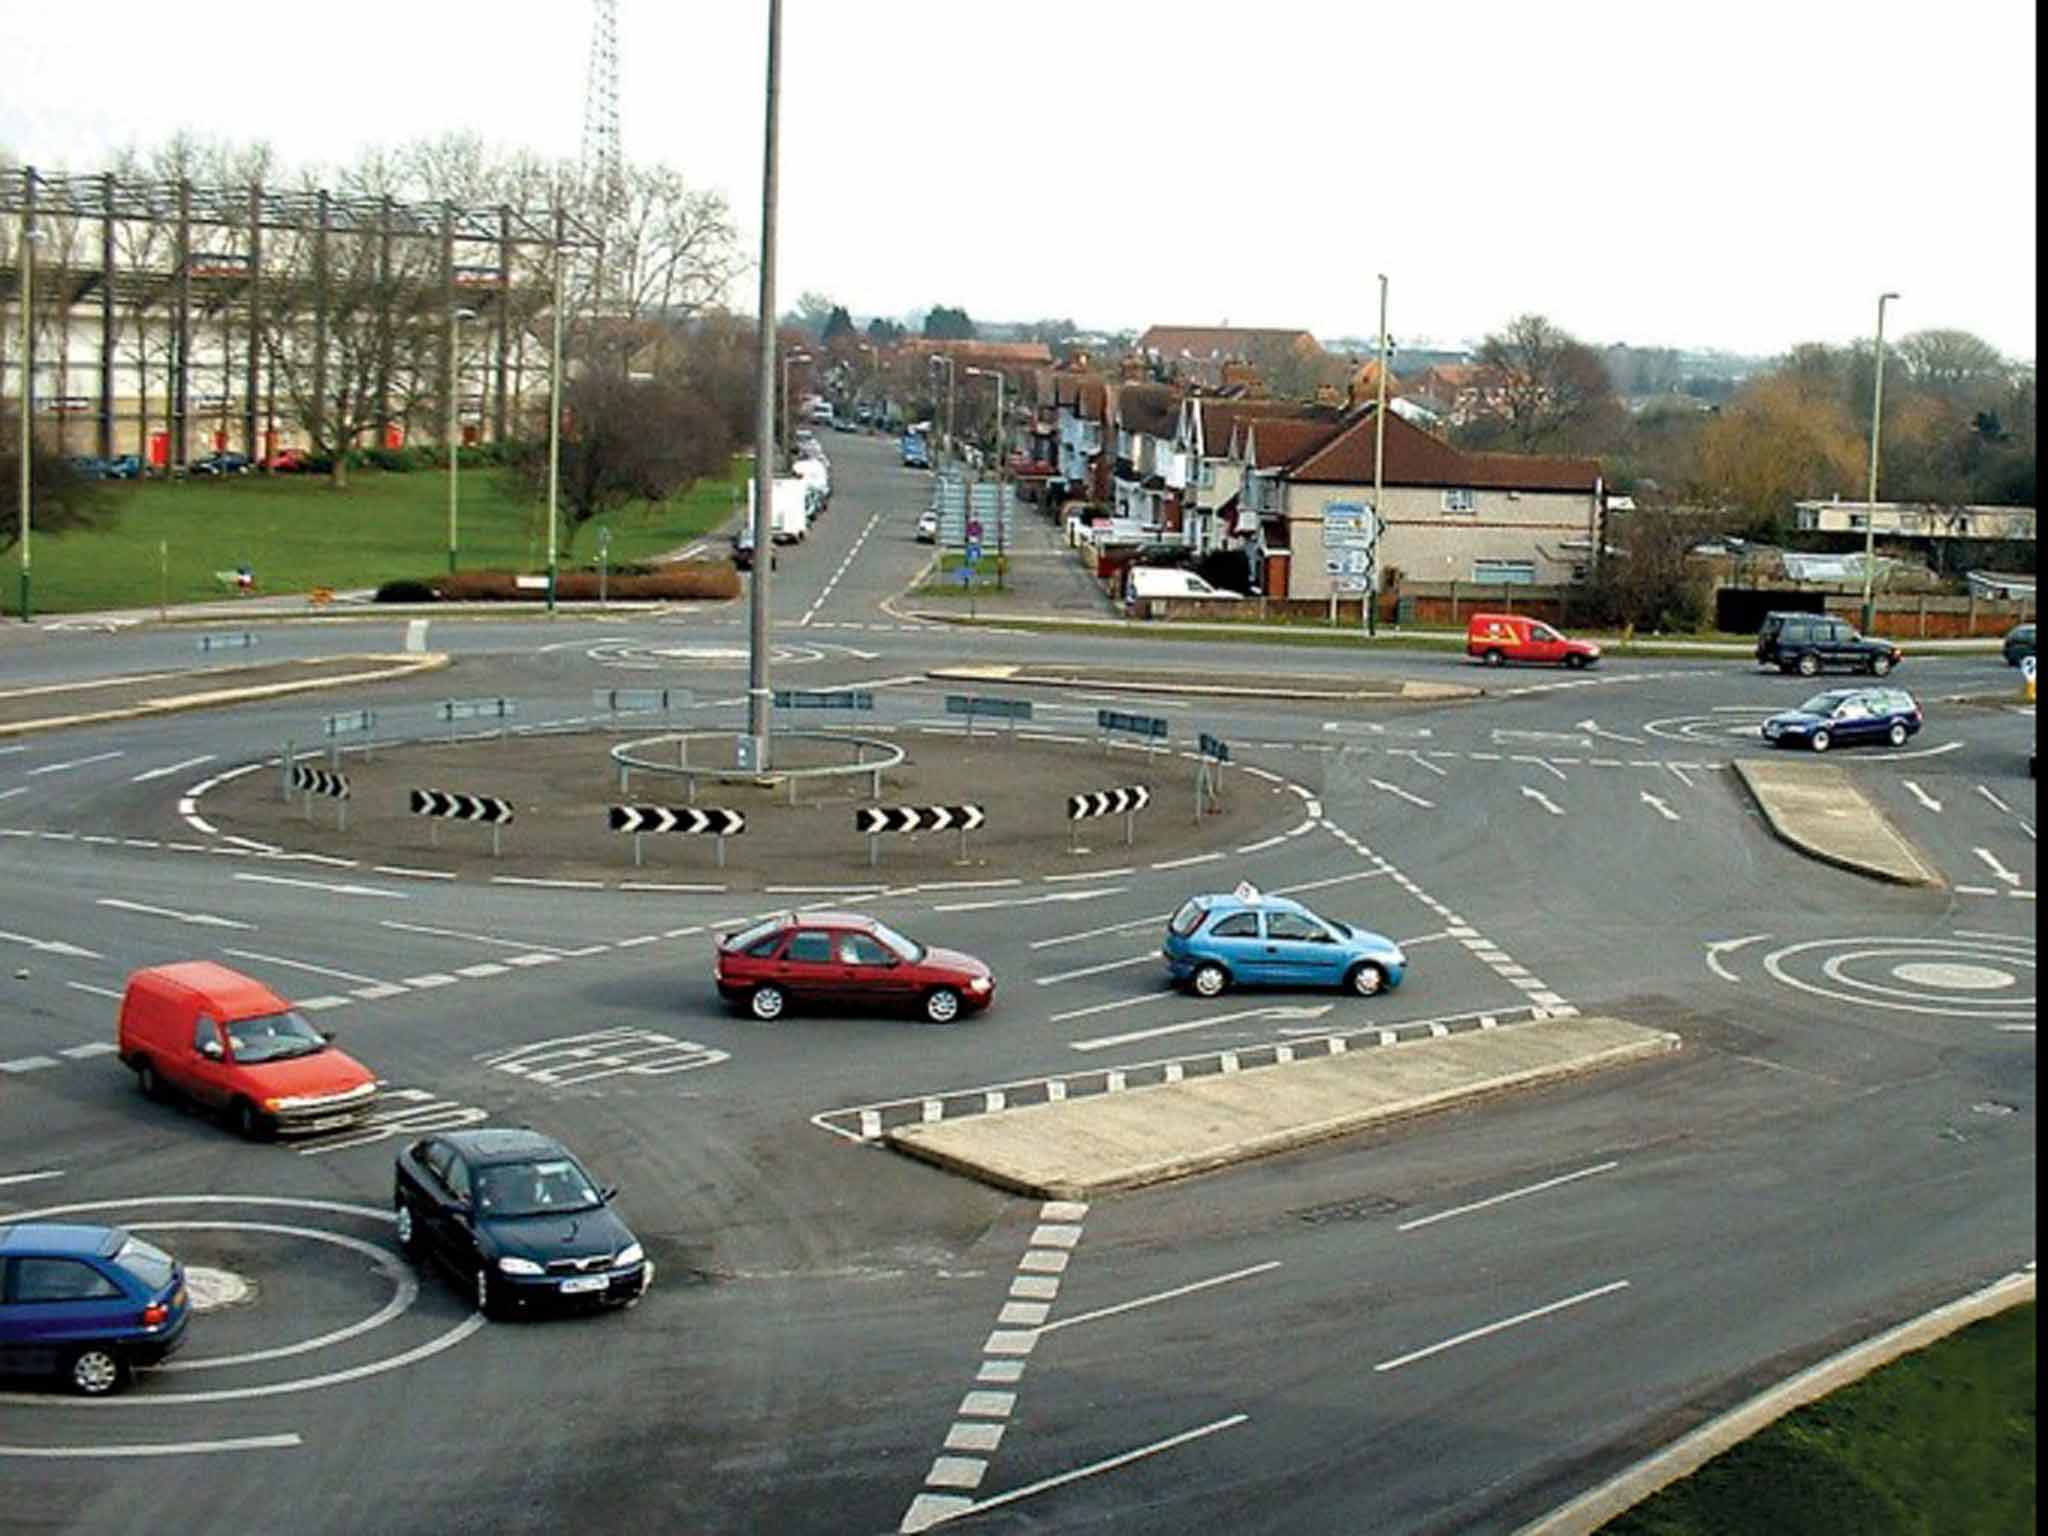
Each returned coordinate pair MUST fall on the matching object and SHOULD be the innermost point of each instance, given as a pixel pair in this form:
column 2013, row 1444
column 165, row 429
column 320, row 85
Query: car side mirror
column 211, row 1050
column 609, row 1193
column 327, row 1035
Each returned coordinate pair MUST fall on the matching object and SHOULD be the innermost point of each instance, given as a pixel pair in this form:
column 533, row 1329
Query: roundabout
column 1969, row 979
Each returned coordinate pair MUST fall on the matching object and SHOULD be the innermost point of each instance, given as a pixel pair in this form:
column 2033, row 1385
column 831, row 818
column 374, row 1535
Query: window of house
column 1521, row 573
column 1208, row 475
column 1461, row 501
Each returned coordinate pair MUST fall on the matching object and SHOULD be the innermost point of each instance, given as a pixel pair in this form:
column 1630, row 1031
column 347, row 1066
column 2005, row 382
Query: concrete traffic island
column 1210, row 684
column 1817, row 808
column 560, row 788
column 1076, row 1149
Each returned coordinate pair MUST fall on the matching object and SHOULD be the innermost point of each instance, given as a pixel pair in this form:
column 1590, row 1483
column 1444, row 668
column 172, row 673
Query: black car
column 514, row 1214
column 2019, row 644
column 221, row 464
column 1807, row 643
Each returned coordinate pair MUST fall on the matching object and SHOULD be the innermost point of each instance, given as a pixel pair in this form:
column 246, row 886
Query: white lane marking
column 50, row 946
column 412, row 874
column 1660, row 806
column 522, row 945
column 1998, row 870
column 30, row 1178
column 203, row 919
column 1153, row 1300
column 1542, row 799
column 1714, row 954
column 1593, row 730
column 1513, row 1194
column 160, row 773
column 1106, row 1041
column 321, row 885
column 82, row 986
column 547, row 885
column 90, row 1048
column 1540, row 763
column 1397, row 790
column 1420, row 761
column 9, row 794
column 1092, row 874
column 1505, row 1323
column 284, row 1442
column 844, row 564
column 1150, row 957
column 1048, row 899
column 302, row 965
column 1922, row 796
column 1988, row 795
column 1317, row 885
column 1199, row 858
column 28, row 1064
column 927, row 1511
column 1117, row 1006
column 76, row 762
column 1679, row 769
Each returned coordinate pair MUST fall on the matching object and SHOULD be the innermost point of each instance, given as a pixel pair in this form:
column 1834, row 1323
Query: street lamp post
column 951, row 375
column 1002, row 501
column 1379, row 478
column 555, row 431
column 30, row 238
column 788, row 444
column 455, row 319
column 752, row 750
column 1870, row 496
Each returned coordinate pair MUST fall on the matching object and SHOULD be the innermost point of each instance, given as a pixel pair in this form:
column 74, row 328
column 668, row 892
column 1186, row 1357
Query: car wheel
column 767, row 1003
column 1210, row 980
column 96, row 1370
column 942, row 1005
column 146, row 1079
column 1897, row 734
column 1821, row 741
column 1493, row 658
column 1573, row 663
column 1879, row 665
column 1367, row 979
column 250, row 1123
column 1808, row 665
column 408, row 1234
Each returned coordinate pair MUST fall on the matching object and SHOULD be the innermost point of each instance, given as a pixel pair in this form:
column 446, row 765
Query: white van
column 817, row 474
column 1145, row 582
column 788, row 511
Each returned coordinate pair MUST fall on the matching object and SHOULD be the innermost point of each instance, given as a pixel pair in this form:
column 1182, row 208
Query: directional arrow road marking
column 1543, row 800
column 2010, row 877
column 1716, row 948
column 1395, row 789
column 51, row 946
column 1922, row 796
column 1659, row 806
column 1593, row 730
column 1994, row 799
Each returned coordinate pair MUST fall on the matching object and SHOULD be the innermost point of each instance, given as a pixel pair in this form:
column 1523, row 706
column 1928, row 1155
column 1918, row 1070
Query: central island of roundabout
column 839, row 810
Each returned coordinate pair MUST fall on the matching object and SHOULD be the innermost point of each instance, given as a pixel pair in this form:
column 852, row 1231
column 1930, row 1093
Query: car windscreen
column 1823, row 703
column 903, row 945
column 1188, row 918
column 273, row 1037
column 551, row 1187
column 151, row 1265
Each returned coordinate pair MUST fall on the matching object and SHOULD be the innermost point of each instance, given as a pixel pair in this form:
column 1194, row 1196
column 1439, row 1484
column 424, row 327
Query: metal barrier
column 242, row 640
column 637, row 756
column 452, row 710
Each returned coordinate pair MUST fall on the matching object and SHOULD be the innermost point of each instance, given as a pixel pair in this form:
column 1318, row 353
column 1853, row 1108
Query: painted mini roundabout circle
column 1977, row 979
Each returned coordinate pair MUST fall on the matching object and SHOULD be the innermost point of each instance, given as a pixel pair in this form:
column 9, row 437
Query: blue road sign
column 973, row 553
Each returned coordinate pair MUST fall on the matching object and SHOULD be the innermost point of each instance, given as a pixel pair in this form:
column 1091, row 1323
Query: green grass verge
column 1940, row 1441
column 165, row 540
column 945, row 584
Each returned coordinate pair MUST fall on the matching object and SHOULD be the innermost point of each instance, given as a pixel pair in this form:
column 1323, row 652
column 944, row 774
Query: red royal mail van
column 1502, row 637
column 228, row 1042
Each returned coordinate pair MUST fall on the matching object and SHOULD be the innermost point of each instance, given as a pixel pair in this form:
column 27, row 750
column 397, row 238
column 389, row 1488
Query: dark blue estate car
column 1842, row 717
column 512, row 1213
column 87, row 1303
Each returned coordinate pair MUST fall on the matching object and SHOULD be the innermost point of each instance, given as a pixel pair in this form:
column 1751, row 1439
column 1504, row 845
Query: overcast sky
column 1742, row 176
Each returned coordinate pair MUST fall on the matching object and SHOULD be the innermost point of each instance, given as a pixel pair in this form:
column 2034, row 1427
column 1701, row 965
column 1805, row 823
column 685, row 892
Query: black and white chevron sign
column 450, row 806
column 917, row 818
column 1108, row 802
column 708, row 821
column 320, row 781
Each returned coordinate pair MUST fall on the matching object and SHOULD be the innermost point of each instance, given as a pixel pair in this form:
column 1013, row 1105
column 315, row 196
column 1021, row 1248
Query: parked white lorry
column 789, row 508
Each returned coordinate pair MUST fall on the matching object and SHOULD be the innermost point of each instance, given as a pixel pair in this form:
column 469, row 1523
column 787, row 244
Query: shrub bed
column 682, row 580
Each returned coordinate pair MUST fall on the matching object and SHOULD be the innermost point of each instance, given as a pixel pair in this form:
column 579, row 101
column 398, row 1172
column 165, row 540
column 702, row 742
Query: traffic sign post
column 871, row 821
column 1125, row 802
column 1153, row 727
column 1211, row 754
column 449, row 805
column 708, row 821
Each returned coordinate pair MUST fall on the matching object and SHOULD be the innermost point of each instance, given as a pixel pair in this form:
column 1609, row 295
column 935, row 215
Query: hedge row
column 682, row 580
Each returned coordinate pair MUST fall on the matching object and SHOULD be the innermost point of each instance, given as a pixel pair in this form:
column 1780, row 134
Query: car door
column 1545, row 644
column 459, row 1241
column 427, row 1183
column 1301, row 951
column 1237, row 940
column 208, row 1073
column 807, row 965
column 54, row 1304
column 873, row 974
column 1855, row 720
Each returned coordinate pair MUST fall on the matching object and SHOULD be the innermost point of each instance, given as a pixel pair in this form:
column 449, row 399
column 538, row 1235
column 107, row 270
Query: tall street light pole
column 874, row 370
column 1379, row 478
column 555, row 432
column 455, row 319
column 753, row 747
column 1870, row 497
column 30, row 239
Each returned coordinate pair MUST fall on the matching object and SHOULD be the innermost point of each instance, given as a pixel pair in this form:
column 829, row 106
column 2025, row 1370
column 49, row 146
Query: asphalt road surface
column 1449, row 1326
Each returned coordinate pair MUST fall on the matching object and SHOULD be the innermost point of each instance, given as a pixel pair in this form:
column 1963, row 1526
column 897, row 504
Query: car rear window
column 747, row 938
column 1188, row 918
column 149, row 1264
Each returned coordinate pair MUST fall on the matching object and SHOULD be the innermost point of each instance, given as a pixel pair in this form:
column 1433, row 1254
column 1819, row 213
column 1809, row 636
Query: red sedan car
column 852, row 961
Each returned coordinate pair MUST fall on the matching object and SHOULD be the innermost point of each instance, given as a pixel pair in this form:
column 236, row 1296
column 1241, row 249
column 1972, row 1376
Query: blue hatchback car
column 1247, row 938
column 1842, row 717
column 87, row 1303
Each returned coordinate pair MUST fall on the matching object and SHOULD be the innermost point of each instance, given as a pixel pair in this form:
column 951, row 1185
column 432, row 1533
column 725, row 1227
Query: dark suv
column 1807, row 642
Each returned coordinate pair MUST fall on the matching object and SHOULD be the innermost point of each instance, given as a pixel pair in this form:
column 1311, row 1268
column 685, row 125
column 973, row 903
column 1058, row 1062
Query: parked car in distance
column 220, row 464
column 124, row 466
column 743, row 549
column 226, row 1041
column 1808, row 643
column 1497, row 638
column 87, row 1303
column 847, row 960
column 287, row 461
column 916, row 451
column 1842, row 717
column 1247, row 938
column 2019, row 644
column 87, row 467
column 514, row 1214
column 927, row 527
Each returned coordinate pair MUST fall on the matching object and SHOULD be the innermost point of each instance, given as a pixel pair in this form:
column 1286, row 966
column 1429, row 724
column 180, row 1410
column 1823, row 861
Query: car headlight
column 627, row 1256
column 512, row 1264
column 979, row 984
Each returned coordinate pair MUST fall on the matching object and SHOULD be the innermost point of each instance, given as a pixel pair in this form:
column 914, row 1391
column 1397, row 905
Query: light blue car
column 1249, row 939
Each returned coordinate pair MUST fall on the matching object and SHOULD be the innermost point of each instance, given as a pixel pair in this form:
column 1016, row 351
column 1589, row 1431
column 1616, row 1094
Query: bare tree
column 1546, row 384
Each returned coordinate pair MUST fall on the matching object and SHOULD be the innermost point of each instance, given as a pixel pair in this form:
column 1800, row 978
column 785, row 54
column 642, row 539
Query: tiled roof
column 1220, row 340
column 1220, row 417
column 1014, row 353
column 1414, row 457
column 1279, row 440
column 1149, row 408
